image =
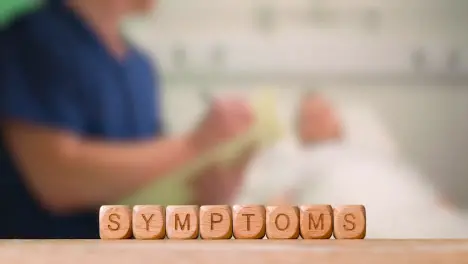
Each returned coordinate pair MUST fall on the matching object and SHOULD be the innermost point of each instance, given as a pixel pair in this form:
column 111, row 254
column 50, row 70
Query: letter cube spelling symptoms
column 248, row 221
column 215, row 222
column 149, row 222
column 115, row 222
column 182, row 222
column 316, row 221
column 282, row 222
column 349, row 222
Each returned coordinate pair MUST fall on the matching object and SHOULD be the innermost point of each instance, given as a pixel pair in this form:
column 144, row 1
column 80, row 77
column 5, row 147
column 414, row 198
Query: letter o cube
column 282, row 222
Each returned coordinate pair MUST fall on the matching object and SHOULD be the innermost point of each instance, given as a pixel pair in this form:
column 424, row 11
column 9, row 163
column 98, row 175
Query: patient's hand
column 446, row 203
column 287, row 198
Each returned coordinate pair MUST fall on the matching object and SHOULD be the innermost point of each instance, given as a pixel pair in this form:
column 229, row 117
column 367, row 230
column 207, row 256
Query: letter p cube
column 215, row 222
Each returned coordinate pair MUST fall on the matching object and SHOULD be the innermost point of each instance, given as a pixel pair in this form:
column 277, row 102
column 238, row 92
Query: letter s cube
column 115, row 222
column 349, row 222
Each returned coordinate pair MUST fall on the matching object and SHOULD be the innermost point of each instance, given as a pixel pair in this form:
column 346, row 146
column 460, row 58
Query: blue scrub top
column 55, row 72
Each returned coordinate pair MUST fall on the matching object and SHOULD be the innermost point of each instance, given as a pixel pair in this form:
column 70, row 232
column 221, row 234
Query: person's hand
column 219, row 184
column 226, row 119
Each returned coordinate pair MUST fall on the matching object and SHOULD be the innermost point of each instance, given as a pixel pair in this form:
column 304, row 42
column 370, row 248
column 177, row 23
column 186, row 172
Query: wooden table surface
column 234, row 251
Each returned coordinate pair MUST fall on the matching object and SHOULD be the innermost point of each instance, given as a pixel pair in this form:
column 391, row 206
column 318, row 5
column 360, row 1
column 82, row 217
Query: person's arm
column 43, row 123
column 67, row 173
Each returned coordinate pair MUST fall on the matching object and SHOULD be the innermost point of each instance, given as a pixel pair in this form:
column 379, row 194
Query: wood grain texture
column 282, row 222
column 149, row 222
column 349, row 222
column 182, row 222
column 215, row 222
column 249, row 221
column 115, row 222
column 234, row 251
column 316, row 221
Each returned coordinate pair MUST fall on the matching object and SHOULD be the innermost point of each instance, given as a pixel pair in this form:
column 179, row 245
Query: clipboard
column 172, row 189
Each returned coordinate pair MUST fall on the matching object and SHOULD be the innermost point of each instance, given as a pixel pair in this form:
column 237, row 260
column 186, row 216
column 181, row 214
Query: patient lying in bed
column 348, row 158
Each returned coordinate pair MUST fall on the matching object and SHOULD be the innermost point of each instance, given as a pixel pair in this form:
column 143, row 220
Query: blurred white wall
column 352, row 49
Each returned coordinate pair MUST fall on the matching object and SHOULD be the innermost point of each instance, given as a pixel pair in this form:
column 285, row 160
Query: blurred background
column 408, row 59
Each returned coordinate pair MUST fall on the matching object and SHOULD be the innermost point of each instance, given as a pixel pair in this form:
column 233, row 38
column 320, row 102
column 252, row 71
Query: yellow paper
column 172, row 189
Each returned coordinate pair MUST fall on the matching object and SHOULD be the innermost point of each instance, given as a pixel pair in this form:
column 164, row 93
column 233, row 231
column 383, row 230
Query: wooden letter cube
column 316, row 221
column 215, row 222
column 115, row 222
column 149, row 222
column 249, row 221
column 349, row 222
column 282, row 222
column 182, row 222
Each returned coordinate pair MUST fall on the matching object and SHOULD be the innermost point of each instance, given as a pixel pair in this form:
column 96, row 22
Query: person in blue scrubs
column 81, row 120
